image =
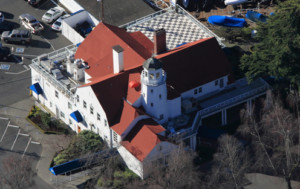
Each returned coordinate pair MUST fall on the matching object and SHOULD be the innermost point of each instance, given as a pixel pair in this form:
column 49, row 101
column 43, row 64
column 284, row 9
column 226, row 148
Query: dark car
column 4, row 53
column 34, row 3
column 6, row 26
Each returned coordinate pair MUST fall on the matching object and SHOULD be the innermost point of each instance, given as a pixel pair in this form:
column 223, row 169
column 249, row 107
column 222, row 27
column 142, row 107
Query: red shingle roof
column 143, row 138
column 195, row 64
column 96, row 49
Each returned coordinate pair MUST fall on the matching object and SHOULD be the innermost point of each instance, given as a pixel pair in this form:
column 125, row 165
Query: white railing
column 145, row 18
column 232, row 100
column 196, row 123
column 59, row 54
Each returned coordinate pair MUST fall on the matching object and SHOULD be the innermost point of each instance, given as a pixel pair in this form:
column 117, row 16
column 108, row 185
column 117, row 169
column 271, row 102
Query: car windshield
column 32, row 21
column 48, row 14
column 58, row 23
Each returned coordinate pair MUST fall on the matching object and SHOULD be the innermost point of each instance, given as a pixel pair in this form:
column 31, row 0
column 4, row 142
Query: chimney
column 118, row 58
column 159, row 41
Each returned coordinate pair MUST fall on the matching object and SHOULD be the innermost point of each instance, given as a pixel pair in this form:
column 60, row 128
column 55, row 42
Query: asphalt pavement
column 15, row 101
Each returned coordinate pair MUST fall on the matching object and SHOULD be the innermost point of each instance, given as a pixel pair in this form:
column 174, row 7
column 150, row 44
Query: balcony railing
column 196, row 123
column 58, row 55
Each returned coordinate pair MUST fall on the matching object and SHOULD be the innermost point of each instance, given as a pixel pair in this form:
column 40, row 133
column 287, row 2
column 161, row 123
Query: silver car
column 57, row 24
column 16, row 36
column 29, row 22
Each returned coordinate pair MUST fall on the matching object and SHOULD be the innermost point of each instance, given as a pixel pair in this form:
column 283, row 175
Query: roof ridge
column 112, row 28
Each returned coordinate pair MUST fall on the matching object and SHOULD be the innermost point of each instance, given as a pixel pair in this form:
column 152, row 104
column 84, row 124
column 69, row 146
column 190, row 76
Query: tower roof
column 152, row 64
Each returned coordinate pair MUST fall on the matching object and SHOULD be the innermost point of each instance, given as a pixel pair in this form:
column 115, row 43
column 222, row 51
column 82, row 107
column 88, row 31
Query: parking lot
column 15, row 73
column 15, row 79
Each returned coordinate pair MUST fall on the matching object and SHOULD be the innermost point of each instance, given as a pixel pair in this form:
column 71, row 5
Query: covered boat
column 256, row 16
column 234, row 2
column 227, row 21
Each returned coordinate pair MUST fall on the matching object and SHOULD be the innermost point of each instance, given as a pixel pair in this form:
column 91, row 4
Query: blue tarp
column 256, row 16
column 185, row 3
column 36, row 88
column 227, row 21
column 78, row 163
column 66, row 167
column 76, row 116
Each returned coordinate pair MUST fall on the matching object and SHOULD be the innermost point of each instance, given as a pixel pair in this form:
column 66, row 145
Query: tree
column 276, row 135
column 230, row 164
column 177, row 171
column 278, row 51
column 17, row 172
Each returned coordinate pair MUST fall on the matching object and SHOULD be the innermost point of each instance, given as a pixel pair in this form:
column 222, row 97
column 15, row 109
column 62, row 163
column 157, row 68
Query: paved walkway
column 51, row 144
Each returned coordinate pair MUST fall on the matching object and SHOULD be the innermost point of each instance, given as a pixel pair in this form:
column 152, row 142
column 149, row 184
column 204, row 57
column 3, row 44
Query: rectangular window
column 151, row 104
column 195, row 91
column 70, row 122
column 161, row 116
column 98, row 116
column 84, row 104
column 151, row 90
column 200, row 90
column 69, row 105
column 222, row 83
column 62, row 114
column 157, row 75
column 77, row 98
column 217, row 82
column 50, row 104
column 159, row 96
column 91, row 110
column 105, row 122
column 151, row 76
column 56, row 94
column 146, row 74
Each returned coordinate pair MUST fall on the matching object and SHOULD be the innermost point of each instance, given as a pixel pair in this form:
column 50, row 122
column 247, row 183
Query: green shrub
column 246, row 33
column 45, row 118
column 61, row 158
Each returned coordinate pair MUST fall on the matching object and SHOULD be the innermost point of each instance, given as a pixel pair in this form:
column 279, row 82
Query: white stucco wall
column 206, row 88
column 132, row 162
column 174, row 107
column 60, row 104
column 87, row 94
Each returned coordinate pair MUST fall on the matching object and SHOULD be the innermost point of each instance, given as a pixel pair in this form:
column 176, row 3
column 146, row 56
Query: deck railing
column 60, row 54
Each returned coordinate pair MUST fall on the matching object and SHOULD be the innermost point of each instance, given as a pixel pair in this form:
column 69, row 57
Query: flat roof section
column 180, row 27
column 117, row 12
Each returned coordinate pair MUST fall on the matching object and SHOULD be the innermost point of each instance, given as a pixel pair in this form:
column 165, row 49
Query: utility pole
column 101, row 15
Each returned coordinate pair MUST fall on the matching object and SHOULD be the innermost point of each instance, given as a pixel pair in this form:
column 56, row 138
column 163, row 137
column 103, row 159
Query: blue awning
column 76, row 116
column 36, row 88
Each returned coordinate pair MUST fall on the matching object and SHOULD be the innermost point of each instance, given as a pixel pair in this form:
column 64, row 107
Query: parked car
column 34, row 3
column 16, row 36
column 1, row 17
column 29, row 22
column 52, row 14
column 4, row 53
column 57, row 24
column 84, row 28
column 6, row 26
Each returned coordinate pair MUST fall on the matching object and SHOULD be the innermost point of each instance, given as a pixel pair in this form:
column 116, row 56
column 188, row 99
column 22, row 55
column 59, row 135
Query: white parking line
column 47, row 42
column 25, row 55
column 17, row 72
column 4, row 118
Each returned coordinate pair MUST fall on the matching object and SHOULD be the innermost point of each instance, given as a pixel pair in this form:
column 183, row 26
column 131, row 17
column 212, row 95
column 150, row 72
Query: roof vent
column 134, row 84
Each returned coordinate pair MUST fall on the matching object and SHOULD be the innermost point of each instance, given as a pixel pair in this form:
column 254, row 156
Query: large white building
column 139, row 95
